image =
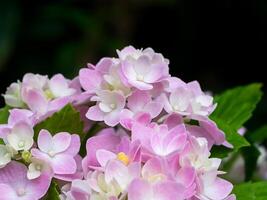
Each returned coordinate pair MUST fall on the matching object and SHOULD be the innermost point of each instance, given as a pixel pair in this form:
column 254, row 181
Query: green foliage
column 4, row 113
column 53, row 193
column 251, row 191
column 235, row 107
column 66, row 120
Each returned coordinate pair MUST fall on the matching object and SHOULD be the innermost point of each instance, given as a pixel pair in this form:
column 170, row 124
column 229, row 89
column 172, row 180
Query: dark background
column 220, row 43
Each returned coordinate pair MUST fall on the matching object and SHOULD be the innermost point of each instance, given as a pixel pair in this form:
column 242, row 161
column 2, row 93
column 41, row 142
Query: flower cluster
column 154, row 145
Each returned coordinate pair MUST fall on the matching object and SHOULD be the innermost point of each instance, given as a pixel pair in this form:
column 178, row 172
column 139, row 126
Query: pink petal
column 141, row 85
column 59, row 86
column 156, row 73
column 138, row 100
column 106, row 140
column 140, row 190
column 112, row 118
column 118, row 171
column 61, row 141
column 219, row 190
column 186, row 176
column 173, row 120
column 23, row 129
column 103, row 156
column 168, row 191
column 64, row 164
column 104, row 65
column 74, row 146
column 152, row 167
column 153, row 108
column 95, row 114
column 7, row 192
column 128, row 71
column 35, row 100
column 45, row 141
column 90, row 79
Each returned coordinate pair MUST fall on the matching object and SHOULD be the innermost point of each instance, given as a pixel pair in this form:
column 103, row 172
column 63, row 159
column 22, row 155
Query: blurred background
column 220, row 43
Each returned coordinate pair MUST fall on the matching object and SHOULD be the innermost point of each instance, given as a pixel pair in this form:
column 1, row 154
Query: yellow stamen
column 123, row 158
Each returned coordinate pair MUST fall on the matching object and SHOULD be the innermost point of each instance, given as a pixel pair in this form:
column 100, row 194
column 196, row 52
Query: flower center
column 140, row 77
column 176, row 108
column 38, row 167
column 21, row 144
column 48, row 94
column 123, row 158
column 112, row 106
column 51, row 153
column 21, row 192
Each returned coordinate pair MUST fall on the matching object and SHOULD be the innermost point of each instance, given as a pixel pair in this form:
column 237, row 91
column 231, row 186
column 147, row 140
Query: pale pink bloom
column 160, row 140
column 189, row 100
column 209, row 130
column 20, row 136
column 106, row 75
column 211, row 187
column 127, row 120
column 141, row 102
column 165, row 190
column 108, row 108
column 37, row 167
column 58, row 151
column 142, row 68
column 38, row 93
column 196, row 154
column 77, row 190
column 13, row 96
column 122, row 165
column 106, row 139
column 15, row 185
column 77, row 175
column 157, row 183
column 59, row 86
column 101, row 189
column 17, row 116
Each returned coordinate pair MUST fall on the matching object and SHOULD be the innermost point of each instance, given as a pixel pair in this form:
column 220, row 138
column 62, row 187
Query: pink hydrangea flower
column 156, row 182
column 140, row 102
column 13, row 96
column 108, row 108
column 40, row 94
column 189, row 100
column 58, row 151
column 142, row 68
column 15, row 185
column 106, row 75
column 106, row 139
column 196, row 154
column 160, row 140
column 212, row 187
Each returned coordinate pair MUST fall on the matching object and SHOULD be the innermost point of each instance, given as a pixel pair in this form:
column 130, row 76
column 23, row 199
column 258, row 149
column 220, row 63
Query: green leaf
column 66, row 120
column 251, row 191
column 235, row 106
column 232, row 137
column 4, row 113
column 259, row 135
column 53, row 193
